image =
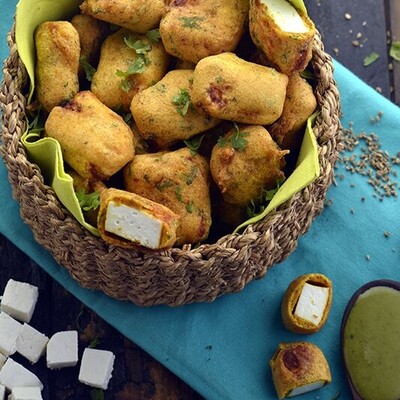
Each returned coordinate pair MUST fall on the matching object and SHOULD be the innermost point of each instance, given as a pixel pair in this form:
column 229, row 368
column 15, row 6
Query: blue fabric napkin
column 222, row 349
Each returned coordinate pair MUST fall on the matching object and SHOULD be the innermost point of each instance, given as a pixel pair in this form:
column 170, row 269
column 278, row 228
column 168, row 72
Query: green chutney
column 371, row 344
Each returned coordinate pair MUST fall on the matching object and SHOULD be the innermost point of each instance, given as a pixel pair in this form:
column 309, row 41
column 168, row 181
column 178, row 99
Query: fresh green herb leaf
column 96, row 394
column 307, row 74
column 139, row 46
column 237, row 140
column 194, row 143
column 257, row 206
column 191, row 22
column 137, row 67
column 395, row 50
column 94, row 342
column 89, row 69
column 153, row 35
column 182, row 102
column 164, row 185
column 370, row 59
column 89, row 201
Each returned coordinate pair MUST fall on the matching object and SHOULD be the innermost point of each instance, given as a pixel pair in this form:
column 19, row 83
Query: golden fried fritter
column 284, row 34
column 228, row 87
column 135, row 15
column 180, row 181
column 245, row 162
column 57, row 63
column 163, row 113
column 129, row 62
column 192, row 29
column 95, row 141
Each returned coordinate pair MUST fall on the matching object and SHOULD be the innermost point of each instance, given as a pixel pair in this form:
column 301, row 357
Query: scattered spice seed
column 387, row 234
column 347, row 16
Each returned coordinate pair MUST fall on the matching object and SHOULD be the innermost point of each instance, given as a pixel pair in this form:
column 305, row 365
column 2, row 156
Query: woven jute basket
column 180, row 275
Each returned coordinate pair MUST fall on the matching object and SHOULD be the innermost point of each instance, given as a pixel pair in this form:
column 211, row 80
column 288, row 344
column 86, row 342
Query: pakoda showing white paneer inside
column 128, row 220
column 228, row 87
column 57, row 63
column 245, row 162
column 299, row 368
column 95, row 141
column 192, row 29
column 164, row 114
column 135, row 15
column 129, row 62
column 284, row 34
column 180, row 181
column 299, row 105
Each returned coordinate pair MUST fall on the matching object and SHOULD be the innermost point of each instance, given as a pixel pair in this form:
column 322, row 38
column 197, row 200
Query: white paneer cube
column 133, row 224
column 19, row 300
column 14, row 375
column 2, row 392
column 285, row 16
column 62, row 350
column 96, row 368
column 312, row 303
column 9, row 332
column 25, row 393
column 3, row 359
column 31, row 343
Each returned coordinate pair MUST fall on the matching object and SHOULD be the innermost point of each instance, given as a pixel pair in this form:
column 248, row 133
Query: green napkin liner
column 46, row 152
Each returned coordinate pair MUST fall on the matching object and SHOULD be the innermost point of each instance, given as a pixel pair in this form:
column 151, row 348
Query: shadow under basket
column 176, row 276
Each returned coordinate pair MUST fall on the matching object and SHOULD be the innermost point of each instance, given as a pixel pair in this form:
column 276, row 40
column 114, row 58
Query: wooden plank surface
column 351, row 31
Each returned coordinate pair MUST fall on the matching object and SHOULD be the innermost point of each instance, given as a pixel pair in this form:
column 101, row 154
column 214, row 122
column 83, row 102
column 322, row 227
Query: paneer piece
column 245, row 162
column 19, row 300
column 2, row 392
column 57, row 63
column 283, row 33
column 25, row 393
column 298, row 368
column 228, row 87
column 62, row 350
column 129, row 62
column 3, row 359
column 9, row 332
column 300, row 103
column 14, row 375
column 192, row 30
column 163, row 113
column 136, row 15
column 96, row 368
column 31, row 343
column 129, row 220
column 95, row 141
column 180, row 181
column 306, row 303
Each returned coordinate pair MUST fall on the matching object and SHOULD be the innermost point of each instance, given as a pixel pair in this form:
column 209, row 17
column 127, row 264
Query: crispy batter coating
column 228, row 87
column 180, row 181
column 112, row 83
column 57, row 63
column 256, row 164
column 298, row 364
column 95, row 141
column 163, row 113
column 299, row 105
column 135, row 15
column 287, row 51
column 193, row 29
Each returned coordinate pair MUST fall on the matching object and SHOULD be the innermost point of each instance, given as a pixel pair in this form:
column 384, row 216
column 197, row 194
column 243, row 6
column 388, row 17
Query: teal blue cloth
column 222, row 349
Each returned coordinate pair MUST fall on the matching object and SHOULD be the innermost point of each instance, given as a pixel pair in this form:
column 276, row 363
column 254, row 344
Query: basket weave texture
column 176, row 276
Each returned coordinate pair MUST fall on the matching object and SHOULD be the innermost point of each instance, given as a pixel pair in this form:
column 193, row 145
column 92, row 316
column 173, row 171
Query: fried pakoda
column 283, row 33
column 192, row 29
column 163, row 113
column 135, row 15
column 299, row 105
column 57, row 63
column 95, row 141
column 228, row 87
column 180, row 181
column 129, row 62
column 245, row 162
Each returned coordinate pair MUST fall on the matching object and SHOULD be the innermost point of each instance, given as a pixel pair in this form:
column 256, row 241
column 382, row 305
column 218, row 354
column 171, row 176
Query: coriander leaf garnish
column 153, row 35
column 88, row 68
column 237, row 141
column 139, row 46
column 370, row 59
column 191, row 22
column 88, row 201
column 182, row 102
column 307, row 74
column 194, row 143
column 394, row 51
